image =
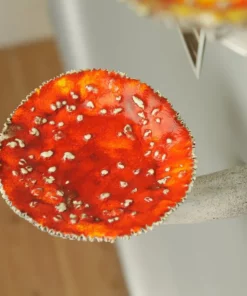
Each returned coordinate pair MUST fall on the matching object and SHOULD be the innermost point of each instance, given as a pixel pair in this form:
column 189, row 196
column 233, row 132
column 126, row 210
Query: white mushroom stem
column 219, row 195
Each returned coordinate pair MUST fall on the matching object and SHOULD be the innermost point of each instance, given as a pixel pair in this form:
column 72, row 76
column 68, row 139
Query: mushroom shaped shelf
column 95, row 155
column 199, row 13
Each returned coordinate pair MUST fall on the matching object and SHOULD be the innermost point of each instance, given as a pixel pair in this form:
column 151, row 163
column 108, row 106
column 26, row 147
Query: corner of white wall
column 23, row 21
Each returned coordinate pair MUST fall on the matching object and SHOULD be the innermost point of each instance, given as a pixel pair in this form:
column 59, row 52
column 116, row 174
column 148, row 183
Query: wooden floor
column 31, row 262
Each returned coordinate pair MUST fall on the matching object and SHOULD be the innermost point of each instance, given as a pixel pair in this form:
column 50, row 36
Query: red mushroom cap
column 95, row 155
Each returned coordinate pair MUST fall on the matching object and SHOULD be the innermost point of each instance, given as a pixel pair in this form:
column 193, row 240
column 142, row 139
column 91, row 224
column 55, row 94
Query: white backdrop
column 23, row 21
column 186, row 260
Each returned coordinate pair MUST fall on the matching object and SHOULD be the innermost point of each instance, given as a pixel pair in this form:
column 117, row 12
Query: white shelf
column 237, row 42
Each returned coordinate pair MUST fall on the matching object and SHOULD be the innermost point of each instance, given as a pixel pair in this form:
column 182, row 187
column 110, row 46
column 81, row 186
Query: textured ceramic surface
column 95, row 155
column 204, row 13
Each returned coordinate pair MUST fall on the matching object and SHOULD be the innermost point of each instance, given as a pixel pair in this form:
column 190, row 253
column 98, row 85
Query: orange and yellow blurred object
column 202, row 13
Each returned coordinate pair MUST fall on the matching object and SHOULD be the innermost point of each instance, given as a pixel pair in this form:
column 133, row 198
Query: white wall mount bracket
column 194, row 43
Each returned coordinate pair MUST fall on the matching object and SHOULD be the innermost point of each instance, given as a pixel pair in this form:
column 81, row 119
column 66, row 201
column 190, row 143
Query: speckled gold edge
column 72, row 236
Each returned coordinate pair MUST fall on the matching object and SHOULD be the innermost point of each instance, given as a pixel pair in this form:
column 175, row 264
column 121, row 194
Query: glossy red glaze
column 110, row 127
